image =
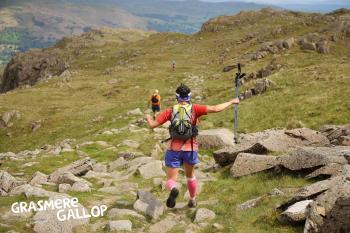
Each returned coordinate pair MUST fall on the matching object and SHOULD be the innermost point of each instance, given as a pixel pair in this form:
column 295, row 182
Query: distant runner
column 182, row 145
column 154, row 101
column 174, row 65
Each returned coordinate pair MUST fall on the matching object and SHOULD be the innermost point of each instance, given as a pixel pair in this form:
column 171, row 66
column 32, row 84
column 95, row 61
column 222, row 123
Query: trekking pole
column 239, row 76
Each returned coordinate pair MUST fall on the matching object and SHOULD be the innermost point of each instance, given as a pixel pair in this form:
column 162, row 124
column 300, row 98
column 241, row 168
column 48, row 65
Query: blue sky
column 302, row 2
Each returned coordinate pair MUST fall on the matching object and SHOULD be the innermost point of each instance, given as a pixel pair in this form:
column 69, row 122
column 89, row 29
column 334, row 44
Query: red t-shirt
column 176, row 144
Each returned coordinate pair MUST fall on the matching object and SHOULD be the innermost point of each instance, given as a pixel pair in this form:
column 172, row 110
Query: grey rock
column 296, row 213
column 119, row 225
column 310, row 157
column 7, row 117
column 98, row 167
column 80, row 187
column 330, row 211
column 69, row 178
column 148, row 204
column 203, row 214
column 32, row 191
column 130, row 155
column 246, row 164
column 308, row 45
column 311, row 191
column 152, row 169
column 140, row 161
column 77, row 168
column 8, row 182
column 311, row 137
column 135, row 112
column 331, row 169
column 117, row 164
column 131, row 144
column 249, row 204
column 215, row 138
column 46, row 221
column 288, row 43
column 275, row 140
column 63, row 188
column 164, row 225
column 38, row 179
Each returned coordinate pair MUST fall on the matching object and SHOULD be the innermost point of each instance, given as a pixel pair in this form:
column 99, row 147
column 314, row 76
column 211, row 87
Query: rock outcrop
column 30, row 67
column 270, row 141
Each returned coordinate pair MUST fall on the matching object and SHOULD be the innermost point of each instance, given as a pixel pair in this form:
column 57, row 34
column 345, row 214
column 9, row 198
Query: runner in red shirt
column 181, row 152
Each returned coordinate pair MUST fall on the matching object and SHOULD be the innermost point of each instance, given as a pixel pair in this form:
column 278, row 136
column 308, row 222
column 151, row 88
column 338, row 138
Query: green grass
column 236, row 191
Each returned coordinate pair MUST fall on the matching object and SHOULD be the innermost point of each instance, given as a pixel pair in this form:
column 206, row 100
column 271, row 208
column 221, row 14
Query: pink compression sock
column 170, row 184
column 192, row 186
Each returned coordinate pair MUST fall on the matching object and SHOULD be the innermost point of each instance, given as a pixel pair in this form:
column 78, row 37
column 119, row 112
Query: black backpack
column 154, row 99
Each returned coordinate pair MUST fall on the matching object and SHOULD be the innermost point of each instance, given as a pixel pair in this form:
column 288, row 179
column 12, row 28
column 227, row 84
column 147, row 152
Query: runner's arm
column 221, row 107
column 151, row 123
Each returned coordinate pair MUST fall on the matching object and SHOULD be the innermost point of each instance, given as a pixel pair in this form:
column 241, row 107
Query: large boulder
column 30, row 67
column 151, row 170
column 215, row 138
column 274, row 140
column 77, row 168
column 311, row 191
column 330, row 212
column 313, row 157
column 246, row 164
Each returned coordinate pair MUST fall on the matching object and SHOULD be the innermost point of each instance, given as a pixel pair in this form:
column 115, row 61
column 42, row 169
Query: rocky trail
column 132, row 184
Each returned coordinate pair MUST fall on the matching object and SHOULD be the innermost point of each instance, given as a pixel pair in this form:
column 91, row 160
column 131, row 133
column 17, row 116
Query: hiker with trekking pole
column 182, row 148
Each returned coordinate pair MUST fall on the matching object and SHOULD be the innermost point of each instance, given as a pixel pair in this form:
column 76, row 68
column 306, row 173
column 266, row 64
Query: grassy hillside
column 115, row 73
column 40, row 23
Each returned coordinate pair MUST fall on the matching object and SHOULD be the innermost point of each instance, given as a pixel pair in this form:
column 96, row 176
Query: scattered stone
column 78, row 168
column 203, row 214
column 130, row 155
column 80, row 187
column 249, row 204
column 8, row 182
column 288, row 43
column 120, row 163
column 296, row 213
column 164, row 225
column 64, row 188
column 119, row 225
column 69, row 178
column 276, row 192
column 135, row 112
column 46, row 221
column 246, row 164
column 131, row 144
column 148, row 204
column 98, row 167
column 152, row 169
column 7, row 117
column 38, row 179
column 308, row 45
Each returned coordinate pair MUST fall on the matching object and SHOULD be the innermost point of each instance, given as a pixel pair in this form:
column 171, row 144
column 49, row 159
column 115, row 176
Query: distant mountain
column 40, row 23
